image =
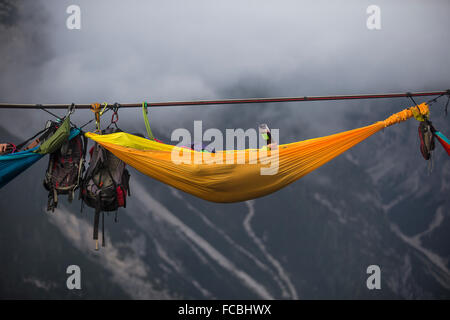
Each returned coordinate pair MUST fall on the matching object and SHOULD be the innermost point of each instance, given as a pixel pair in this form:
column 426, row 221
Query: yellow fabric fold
column 205, row 178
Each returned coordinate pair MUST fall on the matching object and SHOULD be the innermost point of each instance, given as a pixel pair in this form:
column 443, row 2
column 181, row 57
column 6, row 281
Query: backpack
column 426, row 136
column 105, row 185
column 64, row 170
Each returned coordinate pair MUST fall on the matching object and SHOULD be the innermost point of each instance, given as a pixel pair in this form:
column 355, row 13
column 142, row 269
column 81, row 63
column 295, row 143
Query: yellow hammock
column 215, row 179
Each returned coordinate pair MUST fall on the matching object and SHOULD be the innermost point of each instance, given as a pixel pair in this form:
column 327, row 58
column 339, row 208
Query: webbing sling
column 147, row 124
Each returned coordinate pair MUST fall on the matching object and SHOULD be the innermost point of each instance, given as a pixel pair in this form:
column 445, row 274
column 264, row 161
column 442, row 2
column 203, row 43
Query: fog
column 179, row 50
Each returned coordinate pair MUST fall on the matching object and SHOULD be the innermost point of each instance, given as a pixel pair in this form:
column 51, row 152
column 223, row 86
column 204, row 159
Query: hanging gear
column 96, row 108
column 13, row 164
column 105, row 185
column 426, row 132
column 65, row 169
column 147, row 124
column 426, row 138
column 60, row 135
column 115, row 115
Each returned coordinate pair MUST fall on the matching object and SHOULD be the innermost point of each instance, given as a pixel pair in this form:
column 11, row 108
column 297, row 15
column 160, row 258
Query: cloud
column 135, row 50
column 129, row 271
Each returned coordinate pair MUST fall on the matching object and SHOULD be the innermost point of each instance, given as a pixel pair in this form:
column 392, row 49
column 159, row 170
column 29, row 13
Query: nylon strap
column 96, row 223
column 20, row 146
column 147, row 124
column 96, row 109
column 104, row 108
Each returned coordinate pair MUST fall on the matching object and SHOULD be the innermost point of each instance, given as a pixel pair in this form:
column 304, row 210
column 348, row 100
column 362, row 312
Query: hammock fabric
column 445, row 142
column 11, row 165
column 225, row 182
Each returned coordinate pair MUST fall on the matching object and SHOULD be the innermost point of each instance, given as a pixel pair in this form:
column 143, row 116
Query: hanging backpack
column 64, row 170
column 105, row 185
column 426, row 136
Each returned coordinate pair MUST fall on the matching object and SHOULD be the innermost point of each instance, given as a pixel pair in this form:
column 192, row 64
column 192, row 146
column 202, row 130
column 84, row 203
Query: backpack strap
column 48, row 182
column 103, row 229
column 127, row 183
column 96, row 222
column 96, row 159
column 81, row 164
column 52, row 201
column 44, row 136
column 96, row 225
column 85, row 144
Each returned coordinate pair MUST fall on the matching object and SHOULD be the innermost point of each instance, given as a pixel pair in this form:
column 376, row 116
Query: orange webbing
column 403, row 115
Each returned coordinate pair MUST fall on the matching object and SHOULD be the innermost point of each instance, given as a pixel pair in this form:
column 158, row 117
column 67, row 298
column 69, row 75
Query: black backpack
column 105, row 185
column 64, row 171
column 426, row 135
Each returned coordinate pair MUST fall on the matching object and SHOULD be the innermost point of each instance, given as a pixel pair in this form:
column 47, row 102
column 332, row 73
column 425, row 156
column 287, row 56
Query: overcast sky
column 130, row 51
